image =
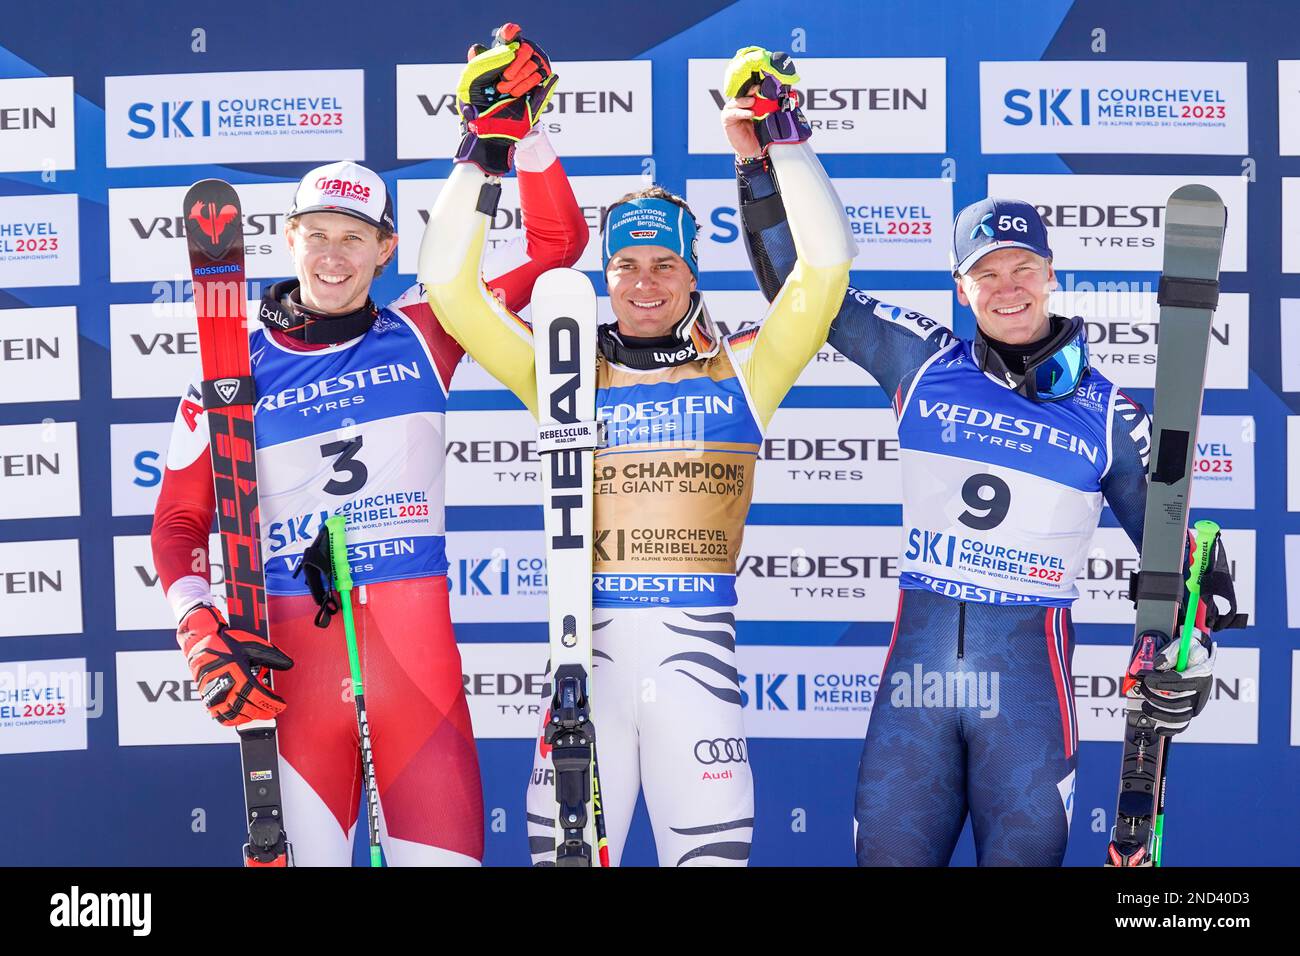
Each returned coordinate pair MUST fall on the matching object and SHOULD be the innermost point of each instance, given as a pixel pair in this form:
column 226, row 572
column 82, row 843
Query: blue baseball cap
column 993, row 224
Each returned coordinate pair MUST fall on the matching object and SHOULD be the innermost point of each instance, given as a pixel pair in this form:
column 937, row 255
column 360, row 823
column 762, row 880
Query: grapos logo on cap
column 343, row 188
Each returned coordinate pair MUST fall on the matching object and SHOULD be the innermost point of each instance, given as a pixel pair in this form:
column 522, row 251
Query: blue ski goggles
column 1056, row 376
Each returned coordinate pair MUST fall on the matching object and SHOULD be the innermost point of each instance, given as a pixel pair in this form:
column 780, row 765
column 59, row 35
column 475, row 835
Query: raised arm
column 762, row 118
column 886, row 340
column 497, row 125
column 800, row 314
column 555, row 230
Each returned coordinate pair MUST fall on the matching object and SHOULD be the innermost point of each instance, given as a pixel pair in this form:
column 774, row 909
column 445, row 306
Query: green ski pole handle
column 1207, row 532
column 336, row 528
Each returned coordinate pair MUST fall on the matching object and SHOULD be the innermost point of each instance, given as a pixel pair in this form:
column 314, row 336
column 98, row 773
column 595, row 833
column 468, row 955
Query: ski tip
column 212, row 215
column 562, row 282
column 1196, row 198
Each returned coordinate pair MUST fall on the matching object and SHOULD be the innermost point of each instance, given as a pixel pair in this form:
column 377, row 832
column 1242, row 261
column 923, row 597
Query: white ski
column 564, row 330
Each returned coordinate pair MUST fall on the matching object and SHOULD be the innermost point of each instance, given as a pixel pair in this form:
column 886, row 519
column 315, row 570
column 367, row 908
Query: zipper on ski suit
column 961, row 629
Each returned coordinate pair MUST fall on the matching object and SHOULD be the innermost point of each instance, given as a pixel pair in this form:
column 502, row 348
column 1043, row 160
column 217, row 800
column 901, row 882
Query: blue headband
column 651, row 222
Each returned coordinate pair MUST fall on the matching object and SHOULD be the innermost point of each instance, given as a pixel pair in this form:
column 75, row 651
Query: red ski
column 215, row 233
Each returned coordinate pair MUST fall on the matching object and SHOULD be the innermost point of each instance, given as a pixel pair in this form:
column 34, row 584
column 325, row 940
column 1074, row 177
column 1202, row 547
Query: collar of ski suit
column 283, row 311
column 691, row 339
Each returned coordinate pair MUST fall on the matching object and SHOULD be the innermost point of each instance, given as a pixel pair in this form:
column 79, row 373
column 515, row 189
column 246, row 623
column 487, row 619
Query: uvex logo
column 679, row 355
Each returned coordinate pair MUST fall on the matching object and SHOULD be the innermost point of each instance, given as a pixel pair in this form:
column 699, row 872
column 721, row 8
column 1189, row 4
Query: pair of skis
column 1195, row 222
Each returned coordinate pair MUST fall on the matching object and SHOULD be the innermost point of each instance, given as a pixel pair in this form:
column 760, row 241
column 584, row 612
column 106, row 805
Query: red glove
column 231, row 668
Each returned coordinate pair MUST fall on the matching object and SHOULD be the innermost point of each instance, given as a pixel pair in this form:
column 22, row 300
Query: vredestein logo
column 173, row 227
column 563, row 102
column 830, row 449
column 37, row 127
column 31, row 581
column 28, row 349
column 827, row 566
column 846, row 98
column 27, row 118
column 30, row 465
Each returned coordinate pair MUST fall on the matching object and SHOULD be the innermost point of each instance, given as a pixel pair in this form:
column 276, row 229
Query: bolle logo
column 343, row 188
column 226, row 388
column 212, row 221
column 275, row 316
column 1053, row 107
column 172, row 121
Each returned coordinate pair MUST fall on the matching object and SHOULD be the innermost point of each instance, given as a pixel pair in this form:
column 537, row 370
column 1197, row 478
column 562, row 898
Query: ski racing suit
column 1001, row 497
column 672, row 489
column 359, row 428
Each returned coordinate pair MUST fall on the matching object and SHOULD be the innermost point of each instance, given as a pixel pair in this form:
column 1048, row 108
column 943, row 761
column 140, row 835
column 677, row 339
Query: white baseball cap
column 348, row 188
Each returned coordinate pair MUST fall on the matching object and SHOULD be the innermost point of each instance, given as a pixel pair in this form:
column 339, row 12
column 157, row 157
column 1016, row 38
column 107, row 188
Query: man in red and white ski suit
column 350, row 418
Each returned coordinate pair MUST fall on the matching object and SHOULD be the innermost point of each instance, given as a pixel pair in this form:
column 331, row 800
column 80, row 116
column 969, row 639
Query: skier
column 350, row 419
column 685, row 410
column 1008, row 445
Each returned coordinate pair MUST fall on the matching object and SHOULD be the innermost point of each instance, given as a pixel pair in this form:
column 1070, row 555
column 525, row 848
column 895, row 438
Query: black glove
column 319, row 572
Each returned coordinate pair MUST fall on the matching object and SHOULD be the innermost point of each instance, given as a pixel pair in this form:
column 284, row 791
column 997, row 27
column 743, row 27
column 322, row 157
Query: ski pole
column 1207, row 532
column 336, row 527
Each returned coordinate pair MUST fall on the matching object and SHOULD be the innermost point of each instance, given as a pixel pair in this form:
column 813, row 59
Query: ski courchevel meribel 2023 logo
column 281, row 116
column 1122, row 107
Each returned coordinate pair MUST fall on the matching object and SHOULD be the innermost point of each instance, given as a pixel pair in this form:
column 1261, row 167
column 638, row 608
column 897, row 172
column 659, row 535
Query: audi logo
column 721, row 750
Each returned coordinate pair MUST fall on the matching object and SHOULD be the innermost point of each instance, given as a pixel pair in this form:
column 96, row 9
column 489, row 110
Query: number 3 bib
column 355, row 429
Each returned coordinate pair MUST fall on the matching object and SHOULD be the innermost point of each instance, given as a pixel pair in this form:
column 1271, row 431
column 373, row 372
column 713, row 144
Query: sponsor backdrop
column 1094, row 111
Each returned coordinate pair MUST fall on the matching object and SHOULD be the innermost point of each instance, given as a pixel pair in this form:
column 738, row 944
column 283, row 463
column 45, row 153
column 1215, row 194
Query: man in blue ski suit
column 1008, row 444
